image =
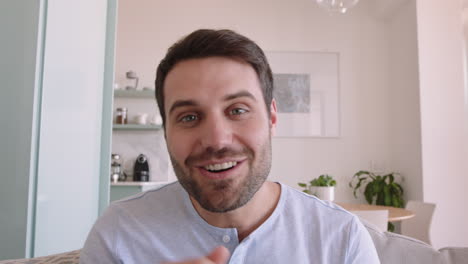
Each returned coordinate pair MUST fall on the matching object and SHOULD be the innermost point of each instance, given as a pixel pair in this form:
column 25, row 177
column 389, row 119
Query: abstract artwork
column 292, row 93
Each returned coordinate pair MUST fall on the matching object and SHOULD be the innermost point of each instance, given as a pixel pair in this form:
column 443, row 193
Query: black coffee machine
column 141, row 169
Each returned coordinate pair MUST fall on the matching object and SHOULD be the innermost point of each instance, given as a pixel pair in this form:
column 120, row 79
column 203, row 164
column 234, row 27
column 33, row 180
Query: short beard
column 228, row 196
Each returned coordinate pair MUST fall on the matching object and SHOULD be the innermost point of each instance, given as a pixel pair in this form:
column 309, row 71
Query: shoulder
column 162, row 196
column 148, row 216
column 300, row 201
column 155, row 203
column 333, row 224
column 320, row 216
column 122, row 217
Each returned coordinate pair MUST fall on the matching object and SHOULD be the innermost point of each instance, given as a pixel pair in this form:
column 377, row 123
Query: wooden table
column 394, row 214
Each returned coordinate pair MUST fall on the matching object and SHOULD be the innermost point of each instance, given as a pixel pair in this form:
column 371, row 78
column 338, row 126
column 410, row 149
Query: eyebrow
column 239, row 94
column 182, row 103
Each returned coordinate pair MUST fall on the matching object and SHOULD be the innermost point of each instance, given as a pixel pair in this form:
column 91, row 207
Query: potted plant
column 379, row 189
column 323, row 187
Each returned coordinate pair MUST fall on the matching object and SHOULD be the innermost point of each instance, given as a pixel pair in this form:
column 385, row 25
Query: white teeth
column 221, row 166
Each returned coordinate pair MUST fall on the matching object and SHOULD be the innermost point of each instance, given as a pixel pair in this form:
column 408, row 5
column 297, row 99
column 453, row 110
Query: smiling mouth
column 220, row 167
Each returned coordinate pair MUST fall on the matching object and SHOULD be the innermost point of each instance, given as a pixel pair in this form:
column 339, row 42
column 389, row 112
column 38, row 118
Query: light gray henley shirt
column 162, row 225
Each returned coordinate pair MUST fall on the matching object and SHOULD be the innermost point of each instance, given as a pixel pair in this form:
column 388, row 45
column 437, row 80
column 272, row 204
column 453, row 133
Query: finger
column 219, row 255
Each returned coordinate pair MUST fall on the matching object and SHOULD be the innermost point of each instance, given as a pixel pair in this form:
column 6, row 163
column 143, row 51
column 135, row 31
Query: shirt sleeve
column 100, row 244
column 361, row 249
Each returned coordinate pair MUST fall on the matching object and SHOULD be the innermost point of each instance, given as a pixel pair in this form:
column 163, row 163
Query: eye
column 188, row 118
column 238, row 111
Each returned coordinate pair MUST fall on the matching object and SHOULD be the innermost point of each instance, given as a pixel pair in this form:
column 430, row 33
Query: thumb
column 219, row 255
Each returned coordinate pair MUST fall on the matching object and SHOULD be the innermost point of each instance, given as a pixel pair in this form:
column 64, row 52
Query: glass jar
column 121, row 116
column 117, row 173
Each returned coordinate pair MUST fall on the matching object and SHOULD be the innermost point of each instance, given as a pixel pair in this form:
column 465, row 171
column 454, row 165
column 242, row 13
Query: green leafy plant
column 323, row 180
column 379, row 189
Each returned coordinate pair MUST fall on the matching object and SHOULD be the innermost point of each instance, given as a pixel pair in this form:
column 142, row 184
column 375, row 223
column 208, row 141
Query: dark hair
column 204, row 43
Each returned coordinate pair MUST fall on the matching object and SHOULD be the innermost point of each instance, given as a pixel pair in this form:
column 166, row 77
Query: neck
column 248, row 217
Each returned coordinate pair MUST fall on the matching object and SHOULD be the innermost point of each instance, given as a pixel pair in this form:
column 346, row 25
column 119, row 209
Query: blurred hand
column 219, row 255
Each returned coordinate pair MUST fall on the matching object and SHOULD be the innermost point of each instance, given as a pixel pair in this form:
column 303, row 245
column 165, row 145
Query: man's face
column 217, row 130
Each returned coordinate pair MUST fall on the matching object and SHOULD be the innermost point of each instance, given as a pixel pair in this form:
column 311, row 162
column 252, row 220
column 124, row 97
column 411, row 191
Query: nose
column 216, row 133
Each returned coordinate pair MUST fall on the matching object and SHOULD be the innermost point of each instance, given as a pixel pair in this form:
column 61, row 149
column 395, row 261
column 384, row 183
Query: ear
column 273, row 117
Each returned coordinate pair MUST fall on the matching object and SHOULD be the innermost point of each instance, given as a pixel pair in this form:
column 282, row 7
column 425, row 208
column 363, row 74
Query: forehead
column 208, row 79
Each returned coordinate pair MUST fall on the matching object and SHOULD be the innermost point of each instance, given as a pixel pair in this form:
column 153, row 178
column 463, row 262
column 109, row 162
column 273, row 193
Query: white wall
column 401, row 104
column 147, row 28
column 403, row 97
column 443, row 118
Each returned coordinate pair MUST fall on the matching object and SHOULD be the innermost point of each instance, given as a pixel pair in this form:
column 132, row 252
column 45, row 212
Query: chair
column 378, row 218
column 419, row 226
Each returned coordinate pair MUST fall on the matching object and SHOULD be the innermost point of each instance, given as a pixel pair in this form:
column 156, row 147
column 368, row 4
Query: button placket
column 226, row 239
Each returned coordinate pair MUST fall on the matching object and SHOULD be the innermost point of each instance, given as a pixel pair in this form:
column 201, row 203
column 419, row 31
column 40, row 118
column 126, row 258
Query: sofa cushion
column 391, row 248
column 72, row 257
column 454, row 254
column 398, row 249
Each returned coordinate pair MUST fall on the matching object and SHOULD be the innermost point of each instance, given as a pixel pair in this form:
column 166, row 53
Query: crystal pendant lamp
column 338, row 6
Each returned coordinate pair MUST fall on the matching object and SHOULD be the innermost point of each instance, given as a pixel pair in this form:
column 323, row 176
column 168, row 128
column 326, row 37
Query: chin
column 221, row 198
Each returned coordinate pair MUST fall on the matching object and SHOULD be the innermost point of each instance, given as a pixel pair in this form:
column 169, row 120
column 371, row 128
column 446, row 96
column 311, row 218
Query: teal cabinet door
column 57, row 74
column 19, row 28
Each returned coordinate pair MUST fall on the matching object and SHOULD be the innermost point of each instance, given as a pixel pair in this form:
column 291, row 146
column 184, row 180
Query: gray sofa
column 398, row 249
column 71, row 257
column 392, row 249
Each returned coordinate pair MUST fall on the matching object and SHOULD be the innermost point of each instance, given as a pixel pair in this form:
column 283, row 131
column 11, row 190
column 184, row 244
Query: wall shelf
column 135, row 127
column 134, row 93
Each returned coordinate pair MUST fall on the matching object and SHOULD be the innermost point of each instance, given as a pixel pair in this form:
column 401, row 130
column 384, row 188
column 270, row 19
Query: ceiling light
column 337, row 6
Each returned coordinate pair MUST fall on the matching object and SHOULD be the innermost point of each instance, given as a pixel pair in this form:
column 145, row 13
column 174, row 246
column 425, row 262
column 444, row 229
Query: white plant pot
column 326, row 193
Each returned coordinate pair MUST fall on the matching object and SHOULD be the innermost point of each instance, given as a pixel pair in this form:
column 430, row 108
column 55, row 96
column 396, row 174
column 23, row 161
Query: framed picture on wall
column 307, row 93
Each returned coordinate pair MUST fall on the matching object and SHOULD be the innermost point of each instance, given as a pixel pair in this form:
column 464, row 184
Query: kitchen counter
column 135, row 183
column 120, row 190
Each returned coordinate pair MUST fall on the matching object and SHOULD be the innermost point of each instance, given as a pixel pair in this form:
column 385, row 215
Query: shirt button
column 226, row 239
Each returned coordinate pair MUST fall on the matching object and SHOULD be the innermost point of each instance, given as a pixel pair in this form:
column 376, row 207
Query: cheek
column 255, row 134
column 178, row 146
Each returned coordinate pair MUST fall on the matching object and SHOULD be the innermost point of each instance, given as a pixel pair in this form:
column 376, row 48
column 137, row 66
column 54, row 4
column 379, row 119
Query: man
column 214, row 92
